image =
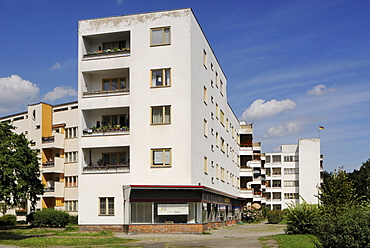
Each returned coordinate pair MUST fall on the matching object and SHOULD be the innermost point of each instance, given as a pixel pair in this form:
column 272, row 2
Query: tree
column 338, row 191
column 19, row 169
column 361, row 178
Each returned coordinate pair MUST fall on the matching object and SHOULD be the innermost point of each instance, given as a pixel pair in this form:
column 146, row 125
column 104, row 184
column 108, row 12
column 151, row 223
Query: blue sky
column 291, row 65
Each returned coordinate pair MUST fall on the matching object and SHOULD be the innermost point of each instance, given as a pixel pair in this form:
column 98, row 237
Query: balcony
column 55, row 141
column 246, row 193
column 54, row 189
column 105, row 130
column 118, row 168
column 109, row 53
column 101, row 93
column 56, row 165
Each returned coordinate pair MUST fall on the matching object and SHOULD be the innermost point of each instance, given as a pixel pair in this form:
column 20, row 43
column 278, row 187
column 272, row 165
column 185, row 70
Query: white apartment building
column 158, row 150
column 293, row 174
column 53, row 131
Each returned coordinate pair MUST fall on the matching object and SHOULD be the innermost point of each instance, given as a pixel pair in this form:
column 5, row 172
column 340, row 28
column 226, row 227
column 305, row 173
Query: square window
column 114, row 84
column 106, row 206
column 161, row 157
column 160, row 78
column 161, row 115
column 160, row 36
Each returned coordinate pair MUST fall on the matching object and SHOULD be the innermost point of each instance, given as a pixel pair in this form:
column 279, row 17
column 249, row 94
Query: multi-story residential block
column 293, row 174
column 53, row 131
column 158, row 141
column 252, row 167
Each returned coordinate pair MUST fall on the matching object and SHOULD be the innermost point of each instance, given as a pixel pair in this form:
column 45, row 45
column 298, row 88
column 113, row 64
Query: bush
column 50, row 217
column 301, row 218
column 8, row 220
column 347, row 228
column 251, row 215
column 73, row 220
column 274, row 216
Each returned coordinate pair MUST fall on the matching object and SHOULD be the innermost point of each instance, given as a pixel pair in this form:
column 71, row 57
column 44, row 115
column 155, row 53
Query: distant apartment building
column 293, row 174
column 152, row 144
column 53, row 131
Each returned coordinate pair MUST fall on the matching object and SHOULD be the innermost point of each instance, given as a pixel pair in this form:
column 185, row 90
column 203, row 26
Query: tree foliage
column 361, row 179
column 338, row 191
column 19, row 169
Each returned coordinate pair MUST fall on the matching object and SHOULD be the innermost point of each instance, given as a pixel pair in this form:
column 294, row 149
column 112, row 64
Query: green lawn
column 44, row 237
column 290, row 241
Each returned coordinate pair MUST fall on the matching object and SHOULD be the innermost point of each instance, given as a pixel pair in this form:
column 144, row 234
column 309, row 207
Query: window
column 216, row 79
column 106, row 206
column 276, row 158
column 222, row 118
column 71, row 132
column 291, row 183
column 217, row 139
column 114, row 158
column 211, row 66
column 268, row 159
column 212, row 84
column 222, row 174
column 161, row 157
column 222, row 145
column 114, row 84
column 217, row 111
column 227, row 124
column 291, row 171
column 161, row 115
column 114, row 120
column 205, row 165
column 205, row 94
column 205, row 128
column 217, row 172
column 291, row 159
column 114, row 44
column 161, row 78
column 221, row 88
column 291, row 196
column 70, row 157
column 71, row 206
column 160, row 36
column 71, row 181
column 205, row 58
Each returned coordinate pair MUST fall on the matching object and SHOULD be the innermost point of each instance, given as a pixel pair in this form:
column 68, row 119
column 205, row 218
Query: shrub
column 251, row 214
column 274, row 216
column 50, row 217
column 347, row 228
column 8, row 219
column 73, row 219
column 301, row 218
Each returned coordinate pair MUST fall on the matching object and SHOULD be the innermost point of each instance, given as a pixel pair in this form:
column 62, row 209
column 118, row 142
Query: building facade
column 293, row 175
column 159, row 141
column 53, row 131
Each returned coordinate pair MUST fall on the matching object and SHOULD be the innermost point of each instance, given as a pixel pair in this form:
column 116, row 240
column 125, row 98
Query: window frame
column 163, row 81
column 107, row 207
column 69, row 157
column 110, row 158
column 163, row 36
column 152, row 157
column 118, row 84
column 163, row 115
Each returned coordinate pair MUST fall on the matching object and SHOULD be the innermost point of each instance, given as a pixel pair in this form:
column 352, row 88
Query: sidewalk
column 233, row 236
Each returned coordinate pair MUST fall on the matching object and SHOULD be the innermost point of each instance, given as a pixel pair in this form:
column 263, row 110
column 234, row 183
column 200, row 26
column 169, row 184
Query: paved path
column 234, row 236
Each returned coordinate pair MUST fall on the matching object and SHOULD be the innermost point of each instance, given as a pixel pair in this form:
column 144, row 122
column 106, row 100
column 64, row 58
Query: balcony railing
column 48, row 164
column 49, row 189
column 105, row 131
column 105, row 92
column 106, row 168
column 49, row 139
column 107, row 53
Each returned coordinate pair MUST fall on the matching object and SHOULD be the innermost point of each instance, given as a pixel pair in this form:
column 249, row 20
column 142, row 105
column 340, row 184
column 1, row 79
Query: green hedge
column 8, row 220
column 49, row 217
column 274, row 216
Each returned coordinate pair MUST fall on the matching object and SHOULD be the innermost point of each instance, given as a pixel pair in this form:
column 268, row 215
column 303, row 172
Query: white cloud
column 119, row 2
column 289, row 127
column 61, row 92
column 55, row 66
column 16, row 92
column 319, row 90
column 260, row 108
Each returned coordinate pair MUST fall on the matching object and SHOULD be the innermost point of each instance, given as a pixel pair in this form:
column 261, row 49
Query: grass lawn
column 290, row 241
column 69, row 236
